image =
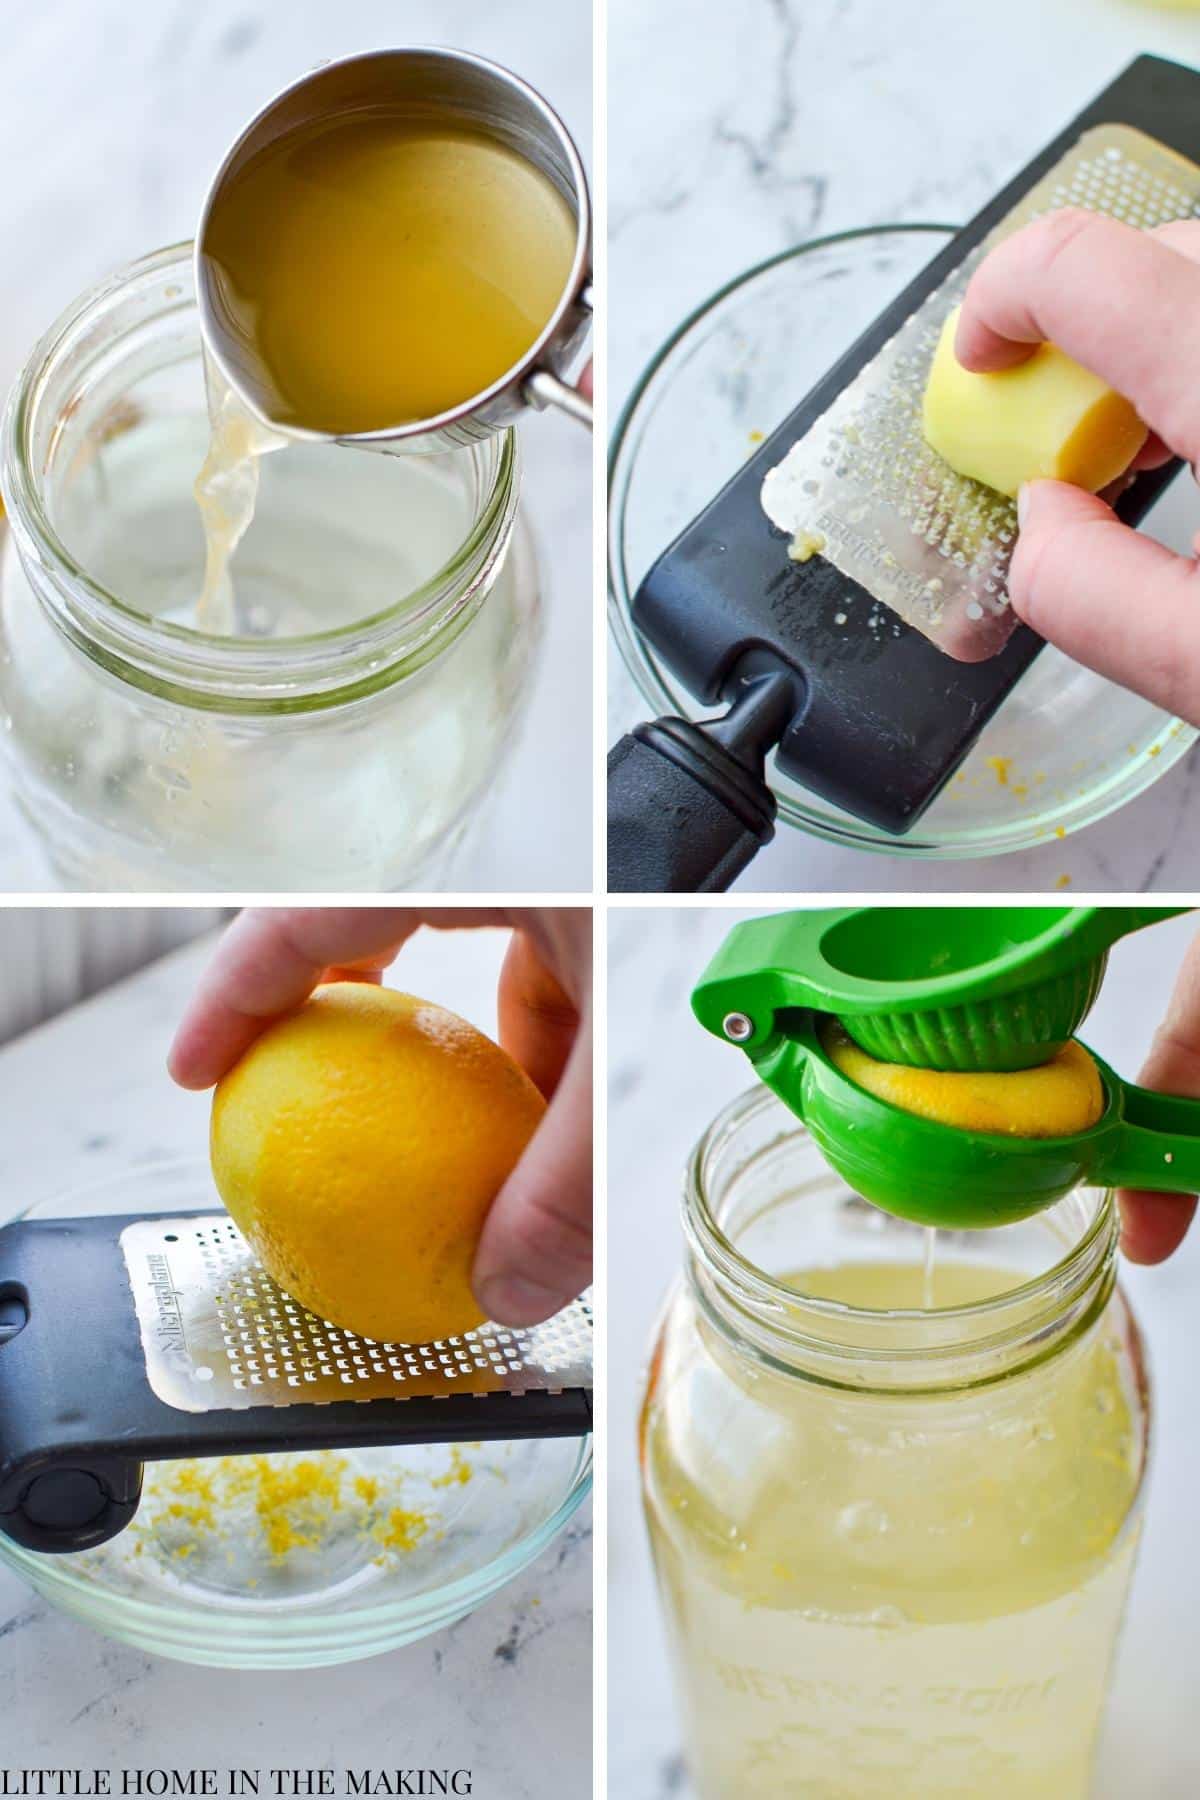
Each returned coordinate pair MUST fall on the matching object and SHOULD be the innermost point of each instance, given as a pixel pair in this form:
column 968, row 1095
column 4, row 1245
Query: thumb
column 1153, row 1225
column 1108, row 596
column 536, row 1250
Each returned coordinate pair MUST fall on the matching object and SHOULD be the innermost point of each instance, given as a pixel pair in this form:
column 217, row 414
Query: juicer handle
column 1157, row 1145
column 1108, row 924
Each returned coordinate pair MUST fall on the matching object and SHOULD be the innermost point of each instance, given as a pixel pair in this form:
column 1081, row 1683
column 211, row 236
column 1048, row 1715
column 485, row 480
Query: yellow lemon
column 358, row 1144
column 1061, row 1097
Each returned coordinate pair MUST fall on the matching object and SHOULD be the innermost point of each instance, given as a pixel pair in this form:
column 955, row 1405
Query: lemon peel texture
column 1057, row 1099
column 359, row 1144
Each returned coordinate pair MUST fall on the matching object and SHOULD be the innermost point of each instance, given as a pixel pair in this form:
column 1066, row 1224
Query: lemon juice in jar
column 893, row 1540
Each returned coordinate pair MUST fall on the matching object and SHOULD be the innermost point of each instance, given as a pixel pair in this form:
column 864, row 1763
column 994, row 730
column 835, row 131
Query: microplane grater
column 126, row 1341
column 217, row 1331
column 864, row 489
column 819, row 660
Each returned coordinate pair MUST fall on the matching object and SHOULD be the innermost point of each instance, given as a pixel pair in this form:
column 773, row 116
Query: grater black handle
column 73, row 1503
column 688, row 805
column 677, row 823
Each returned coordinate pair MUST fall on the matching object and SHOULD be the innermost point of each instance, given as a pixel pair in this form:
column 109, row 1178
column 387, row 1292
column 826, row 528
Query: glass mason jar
column 387, row 623
column 893, row 1544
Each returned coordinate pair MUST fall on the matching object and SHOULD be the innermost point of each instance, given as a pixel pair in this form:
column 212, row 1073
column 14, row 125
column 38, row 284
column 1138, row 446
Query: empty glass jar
column 893, row 1538
column 387, row 619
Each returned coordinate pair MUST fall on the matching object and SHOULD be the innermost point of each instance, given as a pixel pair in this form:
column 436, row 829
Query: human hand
column 535, row 1252
column 1126, row 304
column 1154, row 1225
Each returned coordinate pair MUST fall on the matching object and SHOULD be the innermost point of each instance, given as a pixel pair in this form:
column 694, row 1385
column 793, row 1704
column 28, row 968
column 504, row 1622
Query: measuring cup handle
column 543, row 389
column 1157, row 1146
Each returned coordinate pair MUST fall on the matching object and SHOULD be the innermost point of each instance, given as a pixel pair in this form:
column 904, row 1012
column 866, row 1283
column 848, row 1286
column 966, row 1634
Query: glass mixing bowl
column 1064, row 750
column 292, row 1561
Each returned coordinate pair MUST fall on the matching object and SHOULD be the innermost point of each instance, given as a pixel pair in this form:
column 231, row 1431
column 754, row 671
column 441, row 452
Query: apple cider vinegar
column 893, row 1538
column 384, row 268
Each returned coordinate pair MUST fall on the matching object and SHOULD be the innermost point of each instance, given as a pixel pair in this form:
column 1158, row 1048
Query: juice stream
column 929, row 1266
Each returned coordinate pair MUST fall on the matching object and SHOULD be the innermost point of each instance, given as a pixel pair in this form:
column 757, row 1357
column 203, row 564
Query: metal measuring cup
column 489, row 98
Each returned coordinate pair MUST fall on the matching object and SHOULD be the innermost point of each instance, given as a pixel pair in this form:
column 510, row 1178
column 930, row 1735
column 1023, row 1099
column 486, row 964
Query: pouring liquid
column 226, row 490
column 376, row 270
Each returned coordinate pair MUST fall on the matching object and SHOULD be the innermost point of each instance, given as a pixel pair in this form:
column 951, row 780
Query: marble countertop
column 782, row 120
column 116, row 118
column 81, row 1099
column 668, row 1079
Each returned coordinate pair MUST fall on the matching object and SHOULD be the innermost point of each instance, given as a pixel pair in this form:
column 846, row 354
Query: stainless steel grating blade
column 219, row 1334
column 864, row 490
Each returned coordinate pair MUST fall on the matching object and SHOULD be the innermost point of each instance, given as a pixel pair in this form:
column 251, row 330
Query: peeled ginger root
column 1046, row 419
column 1058, row 1099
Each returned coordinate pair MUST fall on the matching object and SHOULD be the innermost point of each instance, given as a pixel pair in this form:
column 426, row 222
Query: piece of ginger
column 1047, row 418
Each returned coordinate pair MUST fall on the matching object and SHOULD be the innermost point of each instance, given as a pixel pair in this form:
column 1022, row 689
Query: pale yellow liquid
column 901, row 1596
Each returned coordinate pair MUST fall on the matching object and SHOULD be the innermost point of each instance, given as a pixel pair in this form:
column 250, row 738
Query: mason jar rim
column 231, row 674
column 901, row 1348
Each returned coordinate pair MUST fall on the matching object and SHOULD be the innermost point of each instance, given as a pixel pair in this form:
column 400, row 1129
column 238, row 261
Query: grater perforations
column 219, row 1333
column 864, row 489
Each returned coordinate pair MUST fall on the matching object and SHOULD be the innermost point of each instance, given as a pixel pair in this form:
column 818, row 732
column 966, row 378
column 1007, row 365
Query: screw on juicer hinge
column 737, row 1027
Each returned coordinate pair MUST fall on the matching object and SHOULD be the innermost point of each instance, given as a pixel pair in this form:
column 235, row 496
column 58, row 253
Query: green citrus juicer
column 776, row 982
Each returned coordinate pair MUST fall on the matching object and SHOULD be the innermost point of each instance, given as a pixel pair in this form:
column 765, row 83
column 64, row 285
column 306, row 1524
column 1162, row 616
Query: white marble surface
column 85, row 1097
column 668, row 1079
column 781, row 120
column 113, row 118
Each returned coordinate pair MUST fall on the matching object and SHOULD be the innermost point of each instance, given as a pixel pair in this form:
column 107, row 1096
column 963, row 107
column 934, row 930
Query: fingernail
column 1022, row 503
column 512, row 1300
